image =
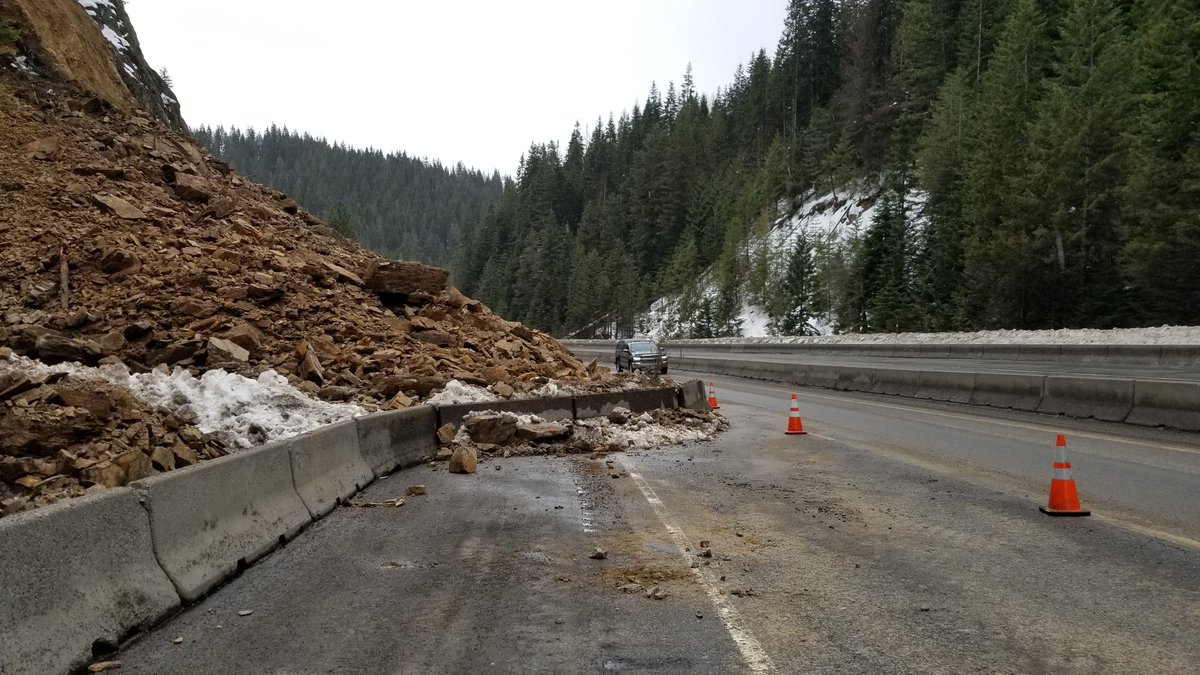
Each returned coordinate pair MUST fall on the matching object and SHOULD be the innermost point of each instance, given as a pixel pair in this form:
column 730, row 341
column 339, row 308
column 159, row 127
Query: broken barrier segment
column 210, row 518
column 636, row 401
column 75, row 574
column 693, row 397
column 327, row 466
column 397, row 438
column 1168, row 404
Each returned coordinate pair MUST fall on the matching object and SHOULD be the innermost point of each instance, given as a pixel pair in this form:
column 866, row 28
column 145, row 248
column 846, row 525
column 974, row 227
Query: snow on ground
column 242, row 412
column 552, row 389
column 1162, row 335
column 642, row 432
column 456, row 392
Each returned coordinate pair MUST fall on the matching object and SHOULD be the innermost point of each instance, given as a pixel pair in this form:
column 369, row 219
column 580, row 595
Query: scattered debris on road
column 414, row 490
column 598, row 554
column 245, row 612
column 393, row 503
column 101, row 666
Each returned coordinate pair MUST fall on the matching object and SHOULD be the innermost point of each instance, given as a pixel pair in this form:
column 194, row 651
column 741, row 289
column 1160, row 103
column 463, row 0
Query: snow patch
column 455, row 393
column 643, row 432
column 115, row 38
column 553, row 389
column 242, row 412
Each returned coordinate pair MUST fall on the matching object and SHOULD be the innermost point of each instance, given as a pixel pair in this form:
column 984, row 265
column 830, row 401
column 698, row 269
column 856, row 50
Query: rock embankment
column 124, row 243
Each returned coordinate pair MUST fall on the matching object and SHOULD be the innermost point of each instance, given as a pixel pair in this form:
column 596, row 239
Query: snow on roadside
column 456, row 392
column 242, row 412
column 643, row 432
column 1162, row 335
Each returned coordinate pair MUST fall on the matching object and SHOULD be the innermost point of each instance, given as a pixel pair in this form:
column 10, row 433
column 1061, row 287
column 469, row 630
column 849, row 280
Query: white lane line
column 976, row 418
column 752, row 652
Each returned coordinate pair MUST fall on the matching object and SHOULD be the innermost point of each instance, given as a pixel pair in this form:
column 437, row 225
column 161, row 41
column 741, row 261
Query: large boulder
column 404, row 279
column 494, row 429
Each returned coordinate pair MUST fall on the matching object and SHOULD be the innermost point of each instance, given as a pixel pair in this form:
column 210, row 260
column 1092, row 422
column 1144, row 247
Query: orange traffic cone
column 795, row 424
column 712, row 397
column 1064, row 500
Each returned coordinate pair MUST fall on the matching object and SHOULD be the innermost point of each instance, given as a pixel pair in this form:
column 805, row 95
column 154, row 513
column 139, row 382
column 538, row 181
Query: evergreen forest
column 1031, row 164
column 400, row 206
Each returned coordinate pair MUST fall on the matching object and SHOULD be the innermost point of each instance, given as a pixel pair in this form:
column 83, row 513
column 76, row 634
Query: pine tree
column 1162, row 234
column 998, row 278
column 1076, row 170
column 793, row 306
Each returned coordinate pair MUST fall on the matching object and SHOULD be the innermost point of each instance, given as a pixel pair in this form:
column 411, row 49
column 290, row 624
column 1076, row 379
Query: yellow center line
column 978, row 418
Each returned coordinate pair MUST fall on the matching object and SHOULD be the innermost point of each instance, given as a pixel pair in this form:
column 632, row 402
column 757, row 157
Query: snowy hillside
column 826, row 220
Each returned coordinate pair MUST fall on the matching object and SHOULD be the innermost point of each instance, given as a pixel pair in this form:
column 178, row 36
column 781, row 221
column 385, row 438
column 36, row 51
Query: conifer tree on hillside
column 1162, row 232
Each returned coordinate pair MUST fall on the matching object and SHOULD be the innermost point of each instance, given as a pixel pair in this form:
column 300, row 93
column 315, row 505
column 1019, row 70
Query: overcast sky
column 457, row 80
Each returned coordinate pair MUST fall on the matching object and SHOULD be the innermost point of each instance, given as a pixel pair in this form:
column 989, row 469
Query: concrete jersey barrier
column 638, row 401
column 1170, row 404
column 75, row 574
column 210, row 518
column 397, row 438
column 558, row 409
column 327, row 466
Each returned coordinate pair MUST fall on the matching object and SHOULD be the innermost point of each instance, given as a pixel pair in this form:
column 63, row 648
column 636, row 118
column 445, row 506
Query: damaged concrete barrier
column 327, row 466
column 1006, row 390
column 637, row 401
column 1168, row 404
column 210, row 518
column 693, row 396
column 1101, row 398
column 75, row 574
column 557, row 409
column 397, row 438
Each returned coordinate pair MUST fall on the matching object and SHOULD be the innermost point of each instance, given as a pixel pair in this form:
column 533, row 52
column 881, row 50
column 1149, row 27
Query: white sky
column 469, row 80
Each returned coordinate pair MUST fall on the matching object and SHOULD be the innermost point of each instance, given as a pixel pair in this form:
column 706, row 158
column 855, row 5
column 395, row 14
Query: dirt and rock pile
column 126, row 243
column 485, row 435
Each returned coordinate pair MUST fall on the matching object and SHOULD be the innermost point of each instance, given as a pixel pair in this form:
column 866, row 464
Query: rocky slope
column 125, row 243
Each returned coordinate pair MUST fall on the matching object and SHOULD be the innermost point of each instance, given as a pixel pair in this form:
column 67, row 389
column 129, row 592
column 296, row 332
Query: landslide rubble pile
column 484, row 435
column 125, row 243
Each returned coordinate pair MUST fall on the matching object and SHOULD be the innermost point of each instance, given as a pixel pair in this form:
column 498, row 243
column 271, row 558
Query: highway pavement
column 898, row 536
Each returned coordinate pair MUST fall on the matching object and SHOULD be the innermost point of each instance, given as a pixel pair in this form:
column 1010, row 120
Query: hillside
column 127, row 246
column 1034, row 165
column 396, row 205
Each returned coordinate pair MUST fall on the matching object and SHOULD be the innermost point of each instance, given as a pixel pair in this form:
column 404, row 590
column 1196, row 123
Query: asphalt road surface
column 897, row 537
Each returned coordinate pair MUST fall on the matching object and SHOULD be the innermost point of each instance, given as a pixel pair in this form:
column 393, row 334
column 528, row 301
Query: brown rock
column 543, row 431
column 113, row 261
column 54, row 348
column 118, row 207
column 503, row 389
column 136, row 465
column 162, row 458
column 424, row 323
column 248, row 337
column 436, row 337
column 414, row 490
column 192, row 188
column 342, row 272
column 446, row 433
column 399, row 401
column 225, row 351
column 111, row 342
column 99, row 404
column 196, row 308
column 14, row 382
column 405, row 278
column 106, row 473
column 463, row 460
column 495, row 374
column 184, row 456
column 308, row 366
column 42, row 148
column 496, row 429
